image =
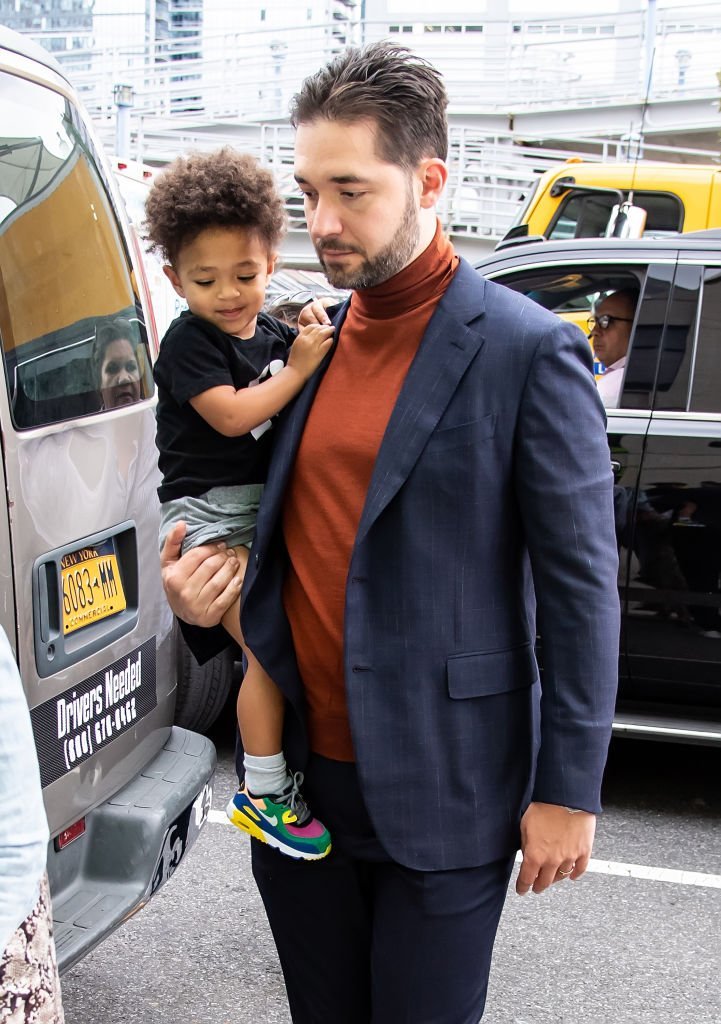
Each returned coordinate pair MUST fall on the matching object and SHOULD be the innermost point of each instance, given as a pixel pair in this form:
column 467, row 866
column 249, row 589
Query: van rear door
column 94, row 637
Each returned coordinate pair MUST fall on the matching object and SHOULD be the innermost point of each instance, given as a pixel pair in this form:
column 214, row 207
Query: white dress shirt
column 609, row 385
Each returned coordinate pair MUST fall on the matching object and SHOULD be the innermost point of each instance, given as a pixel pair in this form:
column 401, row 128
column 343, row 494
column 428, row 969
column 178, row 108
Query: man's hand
column 556, row 844
column 201, row 584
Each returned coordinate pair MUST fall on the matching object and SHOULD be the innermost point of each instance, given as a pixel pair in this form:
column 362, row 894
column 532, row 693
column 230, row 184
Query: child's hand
column 314, row 312
column 309, row 348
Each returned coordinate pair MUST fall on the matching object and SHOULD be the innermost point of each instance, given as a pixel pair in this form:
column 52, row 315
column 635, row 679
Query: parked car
column 126, row 791
column 577, row 199
column 665, row 449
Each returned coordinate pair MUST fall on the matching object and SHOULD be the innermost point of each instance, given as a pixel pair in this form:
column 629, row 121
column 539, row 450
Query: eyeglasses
column 605, row 320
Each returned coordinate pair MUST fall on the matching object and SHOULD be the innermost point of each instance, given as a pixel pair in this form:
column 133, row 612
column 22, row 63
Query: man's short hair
column 401, row 92
column 628, row 295
column 222, row 189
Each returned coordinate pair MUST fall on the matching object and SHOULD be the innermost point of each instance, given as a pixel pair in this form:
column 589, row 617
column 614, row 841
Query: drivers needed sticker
column 76, row 724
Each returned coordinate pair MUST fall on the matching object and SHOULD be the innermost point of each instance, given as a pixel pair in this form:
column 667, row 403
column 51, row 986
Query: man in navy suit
column 439, row 492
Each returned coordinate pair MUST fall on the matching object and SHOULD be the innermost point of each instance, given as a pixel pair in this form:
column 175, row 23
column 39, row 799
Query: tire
column 202, row 689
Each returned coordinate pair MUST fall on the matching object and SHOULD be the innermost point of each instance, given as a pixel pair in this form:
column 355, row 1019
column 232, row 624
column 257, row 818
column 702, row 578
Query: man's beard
column 385, row 264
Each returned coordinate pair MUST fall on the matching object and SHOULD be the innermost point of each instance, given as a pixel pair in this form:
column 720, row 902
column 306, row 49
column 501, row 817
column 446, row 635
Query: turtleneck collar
column 423, row 281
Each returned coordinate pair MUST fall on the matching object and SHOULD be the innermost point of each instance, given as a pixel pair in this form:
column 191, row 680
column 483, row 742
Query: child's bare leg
column 231, row 619
column 260, row 711
column 260, row 720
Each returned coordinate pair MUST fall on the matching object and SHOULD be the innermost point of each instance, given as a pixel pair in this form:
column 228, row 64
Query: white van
column 126, row 791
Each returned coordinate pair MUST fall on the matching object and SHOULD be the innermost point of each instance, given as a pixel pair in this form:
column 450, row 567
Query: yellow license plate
column 91, row 586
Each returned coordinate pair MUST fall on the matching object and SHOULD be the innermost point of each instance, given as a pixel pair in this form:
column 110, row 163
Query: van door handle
column 616, row 467
column 47, row 595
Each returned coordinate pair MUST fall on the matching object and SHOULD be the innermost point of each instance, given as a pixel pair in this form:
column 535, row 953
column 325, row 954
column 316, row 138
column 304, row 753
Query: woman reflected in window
column 115, row 361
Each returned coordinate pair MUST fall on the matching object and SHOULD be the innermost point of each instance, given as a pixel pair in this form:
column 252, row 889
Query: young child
column 224, row 370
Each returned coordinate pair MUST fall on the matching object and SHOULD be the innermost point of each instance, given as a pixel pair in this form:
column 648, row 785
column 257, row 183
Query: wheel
column 202, row 689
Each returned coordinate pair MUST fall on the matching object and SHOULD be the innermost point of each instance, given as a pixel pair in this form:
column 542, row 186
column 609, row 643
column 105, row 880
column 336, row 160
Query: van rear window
column 73, row 337
column 586, row 215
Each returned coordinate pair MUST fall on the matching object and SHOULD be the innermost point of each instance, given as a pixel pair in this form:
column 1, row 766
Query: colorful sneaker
column 283, row 820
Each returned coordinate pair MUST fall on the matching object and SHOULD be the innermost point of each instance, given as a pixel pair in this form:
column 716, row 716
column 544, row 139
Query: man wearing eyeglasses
column 610, row 334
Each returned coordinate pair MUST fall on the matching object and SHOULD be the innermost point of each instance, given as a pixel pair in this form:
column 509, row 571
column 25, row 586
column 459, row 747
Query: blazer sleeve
column 205, row 643
column 564, row 485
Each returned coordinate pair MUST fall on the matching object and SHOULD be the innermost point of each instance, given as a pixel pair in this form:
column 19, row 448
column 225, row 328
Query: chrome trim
column 630, row 414
column 685, row 428
column 688, row 417
column 688, row 733
column 645, row 261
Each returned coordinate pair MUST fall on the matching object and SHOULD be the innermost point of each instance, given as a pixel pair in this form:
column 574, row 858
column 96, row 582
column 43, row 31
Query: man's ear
column 433, row 175
column 174, row 280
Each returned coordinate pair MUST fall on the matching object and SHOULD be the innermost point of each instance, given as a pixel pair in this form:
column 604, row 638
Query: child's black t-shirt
column 195, row 356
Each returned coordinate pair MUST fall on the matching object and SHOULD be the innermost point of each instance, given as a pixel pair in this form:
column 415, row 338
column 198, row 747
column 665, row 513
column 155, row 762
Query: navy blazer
column 492, row 490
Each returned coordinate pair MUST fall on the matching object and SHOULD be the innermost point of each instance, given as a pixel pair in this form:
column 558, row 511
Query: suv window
column 706, row 388
column 59, row 238
column 572, row 291
column 677, row 354
column 585, row 215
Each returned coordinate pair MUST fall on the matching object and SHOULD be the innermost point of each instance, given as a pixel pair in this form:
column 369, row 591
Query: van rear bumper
column 132, row 844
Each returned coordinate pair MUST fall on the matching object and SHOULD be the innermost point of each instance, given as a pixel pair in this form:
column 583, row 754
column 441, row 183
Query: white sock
column 265, row 776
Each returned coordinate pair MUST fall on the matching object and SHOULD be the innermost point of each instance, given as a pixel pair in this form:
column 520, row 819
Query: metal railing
column 489, row 174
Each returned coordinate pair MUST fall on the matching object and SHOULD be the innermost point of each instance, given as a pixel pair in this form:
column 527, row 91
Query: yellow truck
column 580, row 199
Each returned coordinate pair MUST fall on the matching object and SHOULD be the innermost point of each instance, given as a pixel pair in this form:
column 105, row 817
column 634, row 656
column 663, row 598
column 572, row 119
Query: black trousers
column 364, row 940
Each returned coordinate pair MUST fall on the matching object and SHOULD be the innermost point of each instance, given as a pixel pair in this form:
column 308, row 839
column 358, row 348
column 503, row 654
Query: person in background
column 29, row 982
column 430, row 505
column 610, row 328
column 287, row 308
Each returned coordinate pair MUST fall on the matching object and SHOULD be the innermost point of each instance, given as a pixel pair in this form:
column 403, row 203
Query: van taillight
column 69, row 834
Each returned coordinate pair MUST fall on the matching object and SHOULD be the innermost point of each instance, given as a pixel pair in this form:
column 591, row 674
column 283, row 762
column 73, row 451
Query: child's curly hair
column 220, row 189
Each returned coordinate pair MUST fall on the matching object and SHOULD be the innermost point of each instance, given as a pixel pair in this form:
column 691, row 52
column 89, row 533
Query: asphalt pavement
column 636, row 941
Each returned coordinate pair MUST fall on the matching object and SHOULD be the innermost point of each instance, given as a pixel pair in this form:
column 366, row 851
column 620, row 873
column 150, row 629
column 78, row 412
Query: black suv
column 665, row 449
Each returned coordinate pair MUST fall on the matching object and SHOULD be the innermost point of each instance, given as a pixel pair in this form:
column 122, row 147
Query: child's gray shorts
column 222, row 513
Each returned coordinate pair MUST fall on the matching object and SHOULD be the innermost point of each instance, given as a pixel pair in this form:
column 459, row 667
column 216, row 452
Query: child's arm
column 235, row 412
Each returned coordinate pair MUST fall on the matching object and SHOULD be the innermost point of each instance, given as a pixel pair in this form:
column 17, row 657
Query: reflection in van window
column 117, row 364
column 64, row 271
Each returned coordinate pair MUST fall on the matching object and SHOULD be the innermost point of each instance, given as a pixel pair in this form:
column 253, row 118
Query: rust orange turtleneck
column 327, row 489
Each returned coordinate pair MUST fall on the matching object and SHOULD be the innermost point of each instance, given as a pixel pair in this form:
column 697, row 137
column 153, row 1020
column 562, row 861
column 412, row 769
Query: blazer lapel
column 451, row 341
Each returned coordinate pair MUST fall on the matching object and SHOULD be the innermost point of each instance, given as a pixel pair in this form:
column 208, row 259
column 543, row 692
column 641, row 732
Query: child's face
column 223, row 274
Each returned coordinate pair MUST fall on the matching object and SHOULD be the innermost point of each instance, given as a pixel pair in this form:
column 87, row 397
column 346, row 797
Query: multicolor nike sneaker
column 282, row 820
